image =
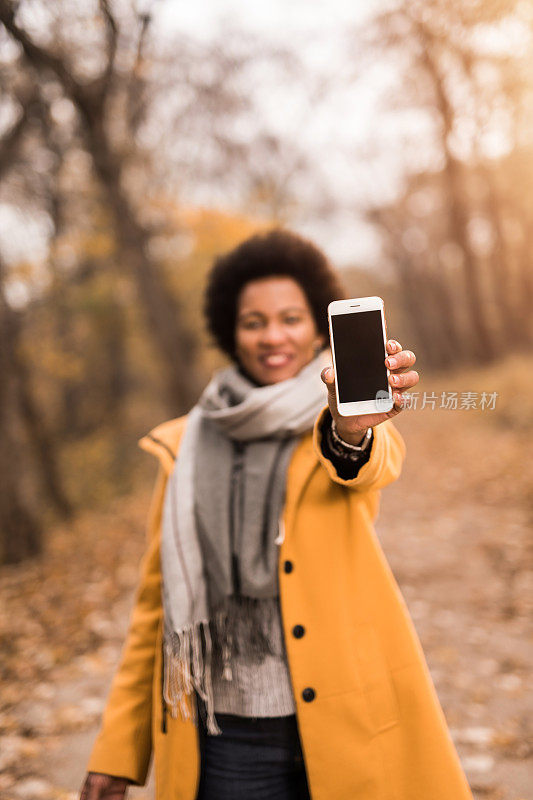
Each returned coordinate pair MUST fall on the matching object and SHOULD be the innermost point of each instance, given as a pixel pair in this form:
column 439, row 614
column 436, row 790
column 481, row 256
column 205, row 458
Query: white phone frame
column 356, row 305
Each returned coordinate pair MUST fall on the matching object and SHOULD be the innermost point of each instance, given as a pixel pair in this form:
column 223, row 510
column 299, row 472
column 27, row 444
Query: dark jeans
column 252, row 759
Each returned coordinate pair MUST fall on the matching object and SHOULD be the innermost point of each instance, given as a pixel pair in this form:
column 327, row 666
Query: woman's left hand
column 399, row 362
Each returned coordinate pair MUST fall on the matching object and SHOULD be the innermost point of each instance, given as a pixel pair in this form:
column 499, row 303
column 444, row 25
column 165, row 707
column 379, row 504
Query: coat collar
column 163, row 442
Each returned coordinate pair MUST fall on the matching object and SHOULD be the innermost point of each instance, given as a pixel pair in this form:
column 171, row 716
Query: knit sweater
column 256, row 690
column 264, row 690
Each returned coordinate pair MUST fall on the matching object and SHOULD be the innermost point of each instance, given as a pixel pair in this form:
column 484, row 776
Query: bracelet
column 356, row 448
column 339, row 450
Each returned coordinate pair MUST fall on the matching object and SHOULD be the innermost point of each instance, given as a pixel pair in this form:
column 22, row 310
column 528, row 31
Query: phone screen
column 359, row 356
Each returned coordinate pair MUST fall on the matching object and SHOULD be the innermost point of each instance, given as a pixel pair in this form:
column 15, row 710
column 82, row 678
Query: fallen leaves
column 62, row 623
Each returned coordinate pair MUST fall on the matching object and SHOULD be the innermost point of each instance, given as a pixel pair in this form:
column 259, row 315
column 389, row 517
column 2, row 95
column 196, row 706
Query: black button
column 298, row 631
column 308, row 694
column 287, row 566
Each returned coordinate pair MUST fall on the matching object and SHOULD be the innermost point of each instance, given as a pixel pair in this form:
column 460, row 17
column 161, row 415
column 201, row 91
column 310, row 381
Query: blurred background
column 138, row 140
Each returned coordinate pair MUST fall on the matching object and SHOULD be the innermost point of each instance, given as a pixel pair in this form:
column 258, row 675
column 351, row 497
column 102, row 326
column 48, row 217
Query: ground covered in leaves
column 456, row 529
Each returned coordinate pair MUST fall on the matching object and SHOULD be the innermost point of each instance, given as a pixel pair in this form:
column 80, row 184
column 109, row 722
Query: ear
column 318, row 344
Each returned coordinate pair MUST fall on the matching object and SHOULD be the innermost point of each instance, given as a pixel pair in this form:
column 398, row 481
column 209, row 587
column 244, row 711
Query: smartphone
column 358, row 338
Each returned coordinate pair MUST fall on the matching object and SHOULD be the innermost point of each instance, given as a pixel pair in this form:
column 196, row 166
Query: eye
column 251, row 324
column 293, row 319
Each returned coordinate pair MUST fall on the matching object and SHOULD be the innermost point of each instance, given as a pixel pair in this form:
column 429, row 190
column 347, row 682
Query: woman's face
column 275, row 331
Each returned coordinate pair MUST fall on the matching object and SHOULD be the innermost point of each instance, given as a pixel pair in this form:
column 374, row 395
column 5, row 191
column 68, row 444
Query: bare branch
column 112, row 38
column 40, row 58
column 136, row 106
column 10, row 142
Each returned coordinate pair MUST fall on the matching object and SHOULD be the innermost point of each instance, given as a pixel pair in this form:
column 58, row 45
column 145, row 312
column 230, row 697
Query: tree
column 465, row 88
column 92, row 100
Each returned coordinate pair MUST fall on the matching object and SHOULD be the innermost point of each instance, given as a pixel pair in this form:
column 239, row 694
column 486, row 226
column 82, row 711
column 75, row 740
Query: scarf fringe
column 188, row 668
column 242, row 627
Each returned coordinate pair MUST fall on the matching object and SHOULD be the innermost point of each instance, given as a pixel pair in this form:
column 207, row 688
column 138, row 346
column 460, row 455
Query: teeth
column 275, row 360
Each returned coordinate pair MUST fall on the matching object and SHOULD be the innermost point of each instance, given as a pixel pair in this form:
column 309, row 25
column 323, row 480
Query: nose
column 273, row 334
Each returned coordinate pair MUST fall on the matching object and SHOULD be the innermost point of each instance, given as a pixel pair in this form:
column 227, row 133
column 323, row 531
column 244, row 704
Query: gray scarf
column 221, row 516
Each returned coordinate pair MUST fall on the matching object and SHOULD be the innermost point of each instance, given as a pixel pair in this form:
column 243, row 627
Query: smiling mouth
column 275, row 359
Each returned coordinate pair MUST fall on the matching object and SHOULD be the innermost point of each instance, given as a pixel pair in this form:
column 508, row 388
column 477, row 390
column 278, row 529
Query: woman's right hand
column 98, row 786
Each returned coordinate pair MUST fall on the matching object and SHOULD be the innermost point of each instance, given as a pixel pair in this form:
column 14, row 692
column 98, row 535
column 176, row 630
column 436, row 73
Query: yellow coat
column 375, row 729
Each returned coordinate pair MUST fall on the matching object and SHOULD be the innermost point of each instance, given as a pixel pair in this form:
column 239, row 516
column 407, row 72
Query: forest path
column 456, row 531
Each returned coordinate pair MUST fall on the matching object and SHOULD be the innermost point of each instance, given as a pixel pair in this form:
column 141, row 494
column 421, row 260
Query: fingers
column 399, row 359
column 99, row 786
column 328, row 377
column 406, row 380
column 401, row 376
column 95, row 786
column 393, row 346
column 399, row 401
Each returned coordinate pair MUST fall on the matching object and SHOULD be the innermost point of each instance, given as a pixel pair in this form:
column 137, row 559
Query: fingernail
column 395, row 380
column 392, row 345
column 391, row 362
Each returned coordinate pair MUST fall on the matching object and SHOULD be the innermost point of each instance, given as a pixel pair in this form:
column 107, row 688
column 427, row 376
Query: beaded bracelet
column 342, row 449
column 355, row 448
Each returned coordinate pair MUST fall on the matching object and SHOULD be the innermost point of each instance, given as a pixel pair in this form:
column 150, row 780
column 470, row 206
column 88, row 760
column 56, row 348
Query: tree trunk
column 438, row 339
column 42, row 443
column 482, row 343
column 176, row 345
column 20, row 532
column 512, row 332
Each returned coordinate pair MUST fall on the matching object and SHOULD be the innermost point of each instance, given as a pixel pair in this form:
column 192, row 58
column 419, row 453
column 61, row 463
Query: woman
column 270, row 652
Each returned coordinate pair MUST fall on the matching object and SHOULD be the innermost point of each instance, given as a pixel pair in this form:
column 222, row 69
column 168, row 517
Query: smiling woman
column 280, row 254
column 270, row 653
column 275, row 334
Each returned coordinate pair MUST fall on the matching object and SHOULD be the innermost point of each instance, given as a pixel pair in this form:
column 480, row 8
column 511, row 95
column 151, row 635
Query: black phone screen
column 359, row 356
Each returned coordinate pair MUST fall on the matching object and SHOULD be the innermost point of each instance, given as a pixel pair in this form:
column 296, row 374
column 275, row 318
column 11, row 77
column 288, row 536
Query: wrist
column 355, row 442
column 355, row 439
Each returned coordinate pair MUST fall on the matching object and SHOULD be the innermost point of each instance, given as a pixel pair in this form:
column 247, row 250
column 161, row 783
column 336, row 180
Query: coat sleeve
column 124, row 744
column 384, row 465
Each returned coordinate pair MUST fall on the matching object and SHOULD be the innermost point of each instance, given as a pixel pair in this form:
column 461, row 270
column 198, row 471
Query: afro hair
column 277, row 252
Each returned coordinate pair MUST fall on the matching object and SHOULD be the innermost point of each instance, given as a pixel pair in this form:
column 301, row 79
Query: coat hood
column 163, row 441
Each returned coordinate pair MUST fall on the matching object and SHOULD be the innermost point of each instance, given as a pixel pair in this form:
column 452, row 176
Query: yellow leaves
column 96, row 244
column 59, row 364
column 61, row 628
column 215, row 231
column 24, row 271
column 91, row 456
